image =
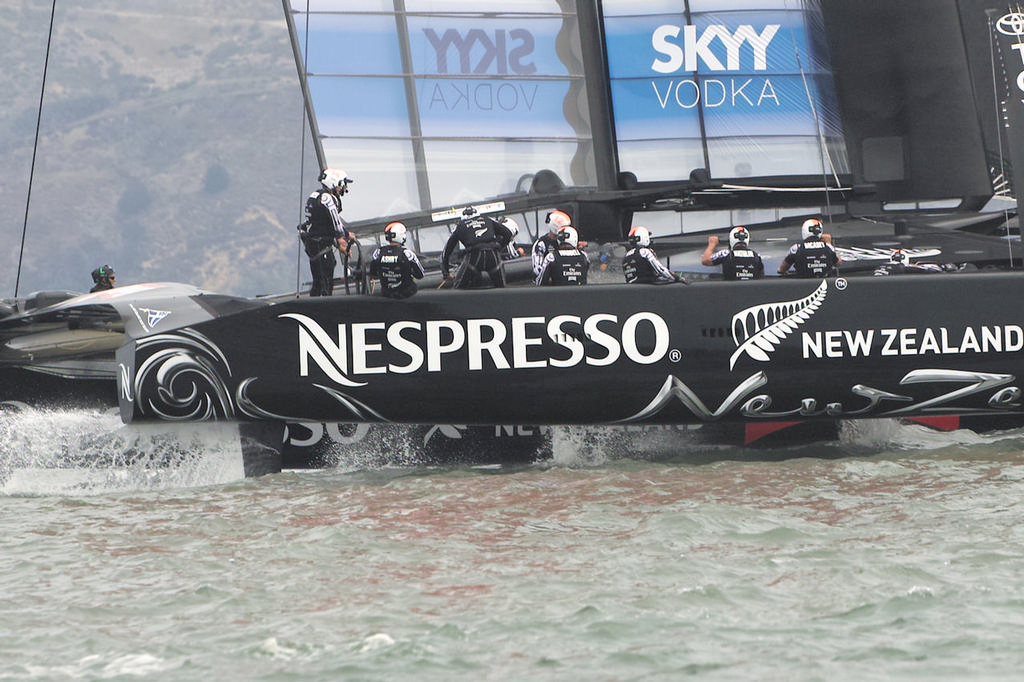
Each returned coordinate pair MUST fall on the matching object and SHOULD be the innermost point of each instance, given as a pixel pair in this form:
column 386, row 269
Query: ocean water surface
column 896, row 553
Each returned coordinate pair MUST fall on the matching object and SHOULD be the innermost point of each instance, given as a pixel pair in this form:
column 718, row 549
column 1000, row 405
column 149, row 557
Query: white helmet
column 811, row 228
column 395, row 232
column 331, row 178
column 558, row 219
column 898, row 257
column 639, row 236
column 738, row 235
column 512, row 226
column 567, row 235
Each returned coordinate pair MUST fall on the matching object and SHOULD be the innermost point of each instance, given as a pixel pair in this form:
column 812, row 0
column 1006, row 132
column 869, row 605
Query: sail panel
column 449, row 102
column 740, row 88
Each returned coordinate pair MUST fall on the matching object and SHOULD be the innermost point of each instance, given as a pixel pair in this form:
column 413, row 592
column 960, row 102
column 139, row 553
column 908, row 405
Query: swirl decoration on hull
column 185, row 377
column 758, row 329
column 182, row 379
column 358, row 409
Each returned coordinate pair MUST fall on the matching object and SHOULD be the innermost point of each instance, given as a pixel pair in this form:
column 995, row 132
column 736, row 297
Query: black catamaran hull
column 782, row 350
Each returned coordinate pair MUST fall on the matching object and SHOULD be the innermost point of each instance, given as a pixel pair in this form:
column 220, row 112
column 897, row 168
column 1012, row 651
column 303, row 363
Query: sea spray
column 90, row 451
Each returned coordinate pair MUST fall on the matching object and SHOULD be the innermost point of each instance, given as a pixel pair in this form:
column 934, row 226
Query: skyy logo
column 703, row 52
column 478, row 52
column 714, row 50
column 499, row 54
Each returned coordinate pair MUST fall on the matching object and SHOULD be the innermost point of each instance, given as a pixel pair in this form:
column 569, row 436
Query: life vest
column 569, row 267
column 393, row 267
column 742, row 264
column 814, row 258
column 318, row 215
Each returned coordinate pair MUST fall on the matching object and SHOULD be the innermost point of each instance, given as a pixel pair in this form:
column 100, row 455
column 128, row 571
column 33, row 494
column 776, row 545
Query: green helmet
column 103, row 272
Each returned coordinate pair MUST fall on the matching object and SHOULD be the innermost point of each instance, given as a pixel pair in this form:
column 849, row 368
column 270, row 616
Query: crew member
column 483, row 239
column 548, row 242
column 324, row 230
column 899, row 264
column 640, row 265
column 739, row 261
column 813, row 257
column 512, row 250
column 565, row 264
column 103, row 278
column 397, row 267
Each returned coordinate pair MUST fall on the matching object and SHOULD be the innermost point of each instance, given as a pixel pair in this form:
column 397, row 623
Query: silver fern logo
column 757, row 330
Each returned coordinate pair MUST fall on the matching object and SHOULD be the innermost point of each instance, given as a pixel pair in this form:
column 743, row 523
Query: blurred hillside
column 171, row 145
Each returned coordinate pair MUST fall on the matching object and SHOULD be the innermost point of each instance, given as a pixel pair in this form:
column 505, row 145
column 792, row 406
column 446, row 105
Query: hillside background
column 171, row 145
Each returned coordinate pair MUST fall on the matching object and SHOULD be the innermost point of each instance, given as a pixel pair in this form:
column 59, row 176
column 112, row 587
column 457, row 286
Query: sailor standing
column 814, row 257
column 397, row 267
column 566, row 264
column 739, row 261
column 324, row 230
column 640, row 265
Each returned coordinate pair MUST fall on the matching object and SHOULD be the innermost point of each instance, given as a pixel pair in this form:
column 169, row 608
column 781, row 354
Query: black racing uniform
column 564, row 266
column 320, row 235
column 398, row 268
column 483, row 239
column 640, row 265
column 541, row 248
column 812, row 258
column 741, row 263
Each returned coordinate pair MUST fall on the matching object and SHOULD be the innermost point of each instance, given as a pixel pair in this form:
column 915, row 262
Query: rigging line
column 827, row 163
column 35, row 147
column 999, row 126
column 302, row 147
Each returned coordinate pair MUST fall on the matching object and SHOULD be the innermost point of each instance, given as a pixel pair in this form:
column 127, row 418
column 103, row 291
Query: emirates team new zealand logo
column 757, row 330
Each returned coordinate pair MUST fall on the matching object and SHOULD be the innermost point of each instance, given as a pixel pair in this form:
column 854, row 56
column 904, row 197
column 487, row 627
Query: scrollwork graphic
column 182, row 378
column 358, row 410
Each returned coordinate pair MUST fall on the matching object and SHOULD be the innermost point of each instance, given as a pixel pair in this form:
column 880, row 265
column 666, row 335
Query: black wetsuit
column 640, row 265
column 483, row 239
column 739, row 263
column 319, row 235
column 547, row 243
column 564, row 266
column 398, row 268
column 812, row 258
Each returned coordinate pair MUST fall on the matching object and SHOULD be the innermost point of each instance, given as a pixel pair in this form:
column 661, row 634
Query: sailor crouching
column 566, row 264
column 483, row 239
column 640, row 264
column 397, row 267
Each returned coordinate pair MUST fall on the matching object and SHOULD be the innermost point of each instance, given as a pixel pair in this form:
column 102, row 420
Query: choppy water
column 907, row 564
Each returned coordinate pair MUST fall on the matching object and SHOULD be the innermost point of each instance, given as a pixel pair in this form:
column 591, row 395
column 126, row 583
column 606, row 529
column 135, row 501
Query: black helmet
column 101, row 273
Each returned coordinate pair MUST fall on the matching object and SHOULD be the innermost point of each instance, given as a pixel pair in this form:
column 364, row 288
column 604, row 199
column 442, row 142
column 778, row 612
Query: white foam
column 88, row 451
